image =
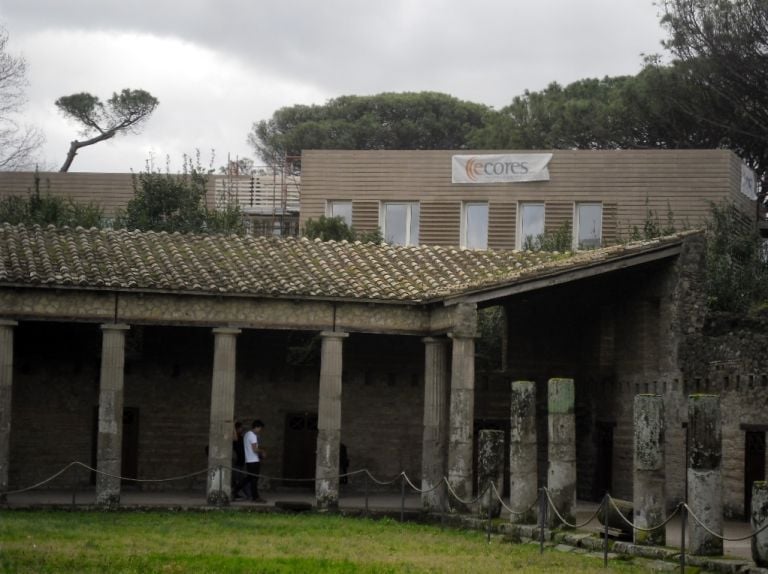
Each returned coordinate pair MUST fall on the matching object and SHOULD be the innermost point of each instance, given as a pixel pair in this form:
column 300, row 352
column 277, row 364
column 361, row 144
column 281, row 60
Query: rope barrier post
column 489, row 512
column 605, row 530
column 366, row 494
column 542, row 519
column 220, row 501
column 683, row 520
column 402, row 499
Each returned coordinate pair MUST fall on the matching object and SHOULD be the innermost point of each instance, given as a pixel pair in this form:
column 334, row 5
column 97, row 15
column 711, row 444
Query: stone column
column 705, row 481
column 435, row 413
column 461, row 420
column 6, row 392
column 110, row 439
column 561, row 477
column 758, row 519
column 222, row 415
column 650, row 477
column 490, row 470
column 329, row 420
column 523, row 473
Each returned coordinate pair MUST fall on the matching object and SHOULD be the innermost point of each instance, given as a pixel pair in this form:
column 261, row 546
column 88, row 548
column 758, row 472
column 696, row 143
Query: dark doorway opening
column 602, row 480
column 130, row 447
column 300, row 449
column 754, row 465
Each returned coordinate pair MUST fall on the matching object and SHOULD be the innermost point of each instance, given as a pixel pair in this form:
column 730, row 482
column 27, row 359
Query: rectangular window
column 474, row 225
column 588, row 233
column 339, row 208
column 400, row 222
column 530, row 225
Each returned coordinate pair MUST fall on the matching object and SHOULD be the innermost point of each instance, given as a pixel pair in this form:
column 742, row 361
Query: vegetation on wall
column 737, row 274
column 164, row 201
column 336, row 229
column 45, row 209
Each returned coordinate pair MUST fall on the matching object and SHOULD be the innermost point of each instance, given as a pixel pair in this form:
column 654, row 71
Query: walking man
column 253, row 455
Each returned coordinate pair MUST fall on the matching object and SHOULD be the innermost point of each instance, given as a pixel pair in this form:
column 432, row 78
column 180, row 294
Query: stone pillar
column 329, row 420
column 461, row 420
column 561, row 478
column 650, row 477
column 705, row 481
column 523, row 473
column 222, row 414
column 758, row 519
column 6, row 392
column 435, row 424
column 490, row 470
column 110, row 439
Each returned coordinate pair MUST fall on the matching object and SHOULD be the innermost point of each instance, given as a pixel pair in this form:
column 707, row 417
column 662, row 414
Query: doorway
column 300, row 449
column 602, row 480
column 754, row 465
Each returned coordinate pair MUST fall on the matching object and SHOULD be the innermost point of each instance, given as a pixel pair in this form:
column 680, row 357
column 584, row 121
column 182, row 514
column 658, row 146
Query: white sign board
column 500, row 168
column 748, row 182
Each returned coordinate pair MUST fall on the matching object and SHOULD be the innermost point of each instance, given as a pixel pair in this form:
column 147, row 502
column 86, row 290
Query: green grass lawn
column 167, row 542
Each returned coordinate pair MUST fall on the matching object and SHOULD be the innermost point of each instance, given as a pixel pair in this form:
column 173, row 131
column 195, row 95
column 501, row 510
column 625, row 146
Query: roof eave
column 566, row 275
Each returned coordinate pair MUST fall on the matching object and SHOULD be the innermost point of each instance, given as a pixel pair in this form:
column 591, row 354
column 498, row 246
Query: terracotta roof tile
column 260, row 266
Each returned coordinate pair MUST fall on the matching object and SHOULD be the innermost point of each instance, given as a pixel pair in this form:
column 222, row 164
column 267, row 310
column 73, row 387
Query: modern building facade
column 475, row 200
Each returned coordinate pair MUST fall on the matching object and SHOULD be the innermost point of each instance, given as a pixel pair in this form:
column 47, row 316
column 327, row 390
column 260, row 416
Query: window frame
column 519, row 239
column 408, row 220
column 464, row 227
column 329, row 203
column 576, row 244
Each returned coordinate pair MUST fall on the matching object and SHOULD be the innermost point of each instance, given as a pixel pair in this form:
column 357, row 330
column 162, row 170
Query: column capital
column 8, row 323
column 334, row 334
column 115, row 327
column 226, row 331
column 434, row 340
column 462, row 335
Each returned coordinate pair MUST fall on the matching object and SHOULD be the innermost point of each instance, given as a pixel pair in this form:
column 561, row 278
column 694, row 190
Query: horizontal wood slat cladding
column 631, row 184
column 556, row 214
column 365, row 215
column 111, row 191
column 610, row 231
column 502, row 225
column 440, row 223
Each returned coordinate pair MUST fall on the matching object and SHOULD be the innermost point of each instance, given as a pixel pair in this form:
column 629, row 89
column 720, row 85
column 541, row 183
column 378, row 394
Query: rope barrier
column 507, row 508
column 720, row 536
column 640, row 528
column 458, row 498
column 563, row 520
column 406, row 480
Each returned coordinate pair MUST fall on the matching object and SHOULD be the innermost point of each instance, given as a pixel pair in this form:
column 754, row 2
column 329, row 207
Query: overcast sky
column 218, row 66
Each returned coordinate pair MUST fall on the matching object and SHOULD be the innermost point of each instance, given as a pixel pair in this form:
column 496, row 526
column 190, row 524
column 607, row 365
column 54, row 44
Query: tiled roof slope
column 258, row 266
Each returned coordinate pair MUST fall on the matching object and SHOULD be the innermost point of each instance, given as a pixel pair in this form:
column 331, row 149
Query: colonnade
column 443, row 443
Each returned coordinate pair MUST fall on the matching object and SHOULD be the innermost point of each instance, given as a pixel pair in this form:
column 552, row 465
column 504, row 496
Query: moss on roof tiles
column 261, row 266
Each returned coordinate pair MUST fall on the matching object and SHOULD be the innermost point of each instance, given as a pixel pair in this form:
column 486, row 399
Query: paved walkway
column 348, row 501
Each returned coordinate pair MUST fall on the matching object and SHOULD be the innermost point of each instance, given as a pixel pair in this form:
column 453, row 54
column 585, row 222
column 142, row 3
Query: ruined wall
column 729, row 357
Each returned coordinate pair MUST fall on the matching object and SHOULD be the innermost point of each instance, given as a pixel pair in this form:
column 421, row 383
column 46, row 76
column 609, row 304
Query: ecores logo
column 476, row 168
column 500, row 168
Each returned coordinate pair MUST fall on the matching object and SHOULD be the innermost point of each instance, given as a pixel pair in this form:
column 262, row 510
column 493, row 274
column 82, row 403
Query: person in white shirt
column 253, row 455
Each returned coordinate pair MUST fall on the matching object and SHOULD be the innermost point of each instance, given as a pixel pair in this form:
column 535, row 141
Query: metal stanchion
column 221, row 489
column 683, row 520
column 605, row 530
column 542, row 519
column 366, row 494
column 489, row 513
column 402, row 499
